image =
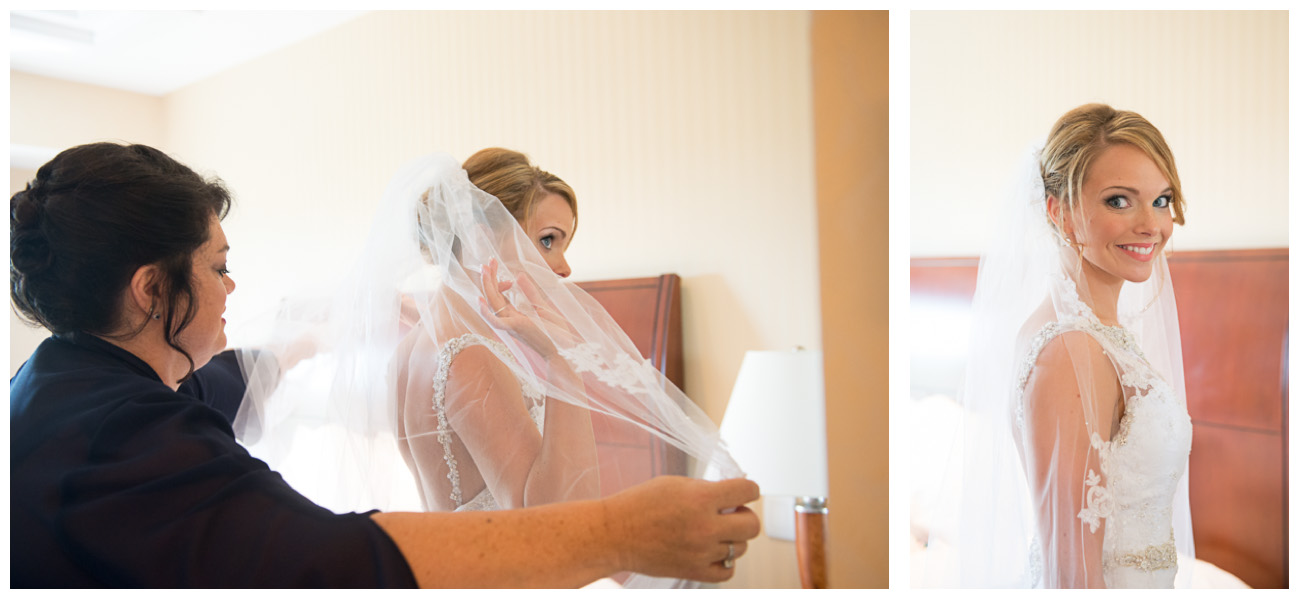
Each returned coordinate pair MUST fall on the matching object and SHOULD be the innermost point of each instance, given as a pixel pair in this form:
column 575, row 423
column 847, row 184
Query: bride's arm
column 564, row 465
column 486, row 408
column 1065, row 402
column 568, row 446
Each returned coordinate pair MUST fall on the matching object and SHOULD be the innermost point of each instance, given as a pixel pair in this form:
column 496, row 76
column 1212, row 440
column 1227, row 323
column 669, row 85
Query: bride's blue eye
column 1117, row 202
column 223, row 271
column 547, row 241
column 1162, row 202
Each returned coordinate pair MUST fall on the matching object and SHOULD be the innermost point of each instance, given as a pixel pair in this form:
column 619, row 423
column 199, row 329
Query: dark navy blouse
column 117, row 480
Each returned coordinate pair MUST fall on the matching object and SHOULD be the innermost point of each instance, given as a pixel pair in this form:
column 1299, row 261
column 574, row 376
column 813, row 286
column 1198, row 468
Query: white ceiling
column 153, row 52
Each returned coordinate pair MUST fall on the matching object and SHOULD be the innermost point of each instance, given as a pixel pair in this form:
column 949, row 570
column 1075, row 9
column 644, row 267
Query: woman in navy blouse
column 124, row 467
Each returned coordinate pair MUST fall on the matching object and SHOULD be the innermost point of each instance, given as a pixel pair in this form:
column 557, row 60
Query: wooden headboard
column 650, row 311
column 1232, row 311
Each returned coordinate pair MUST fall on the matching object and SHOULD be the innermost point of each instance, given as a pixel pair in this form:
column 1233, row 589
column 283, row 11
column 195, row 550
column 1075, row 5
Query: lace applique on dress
column 1035, row 563
column 532, row 397
column 1098, row 503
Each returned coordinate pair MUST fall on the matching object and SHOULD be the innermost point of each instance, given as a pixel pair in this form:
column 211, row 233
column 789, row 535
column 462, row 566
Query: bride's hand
column 502, row 314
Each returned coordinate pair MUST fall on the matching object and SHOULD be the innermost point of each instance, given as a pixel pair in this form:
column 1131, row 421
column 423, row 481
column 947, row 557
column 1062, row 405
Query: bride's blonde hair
column 1080, row 135
column 514, row 181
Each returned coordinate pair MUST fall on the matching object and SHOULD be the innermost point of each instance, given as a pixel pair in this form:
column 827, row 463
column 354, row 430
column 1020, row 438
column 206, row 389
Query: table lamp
column 775, row 428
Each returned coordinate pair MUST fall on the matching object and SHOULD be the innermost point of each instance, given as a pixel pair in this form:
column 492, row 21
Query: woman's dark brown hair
column 92, row 217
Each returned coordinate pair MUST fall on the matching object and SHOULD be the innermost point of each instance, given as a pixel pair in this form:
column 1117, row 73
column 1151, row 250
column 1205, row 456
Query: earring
column 1066, row 240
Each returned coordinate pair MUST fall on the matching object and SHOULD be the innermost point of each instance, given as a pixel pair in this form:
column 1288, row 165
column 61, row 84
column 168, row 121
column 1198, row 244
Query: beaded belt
column 1151, row 558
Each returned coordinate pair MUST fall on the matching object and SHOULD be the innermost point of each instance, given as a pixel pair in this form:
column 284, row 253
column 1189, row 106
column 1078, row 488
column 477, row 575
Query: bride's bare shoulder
column 1072, row 375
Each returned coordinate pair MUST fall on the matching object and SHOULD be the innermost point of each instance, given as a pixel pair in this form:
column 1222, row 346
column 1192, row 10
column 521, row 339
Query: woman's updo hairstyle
column 92, row 217
column 514, row 181
column 1080, row 135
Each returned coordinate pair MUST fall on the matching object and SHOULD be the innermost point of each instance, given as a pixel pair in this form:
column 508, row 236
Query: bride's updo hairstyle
column 1082, row 134
column 92, row 217
column 514, row 181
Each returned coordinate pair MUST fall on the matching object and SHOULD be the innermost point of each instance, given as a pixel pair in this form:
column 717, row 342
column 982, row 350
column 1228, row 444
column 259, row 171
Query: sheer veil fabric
column 402, row 390
column 1057, row 493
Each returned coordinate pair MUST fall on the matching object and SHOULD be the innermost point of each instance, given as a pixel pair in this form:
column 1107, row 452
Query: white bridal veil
column 331, row 421
column 997, row 526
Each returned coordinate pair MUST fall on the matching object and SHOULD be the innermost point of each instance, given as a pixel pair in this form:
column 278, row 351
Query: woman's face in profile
column 1124, row 216
column 205, row 336
column 550, row 228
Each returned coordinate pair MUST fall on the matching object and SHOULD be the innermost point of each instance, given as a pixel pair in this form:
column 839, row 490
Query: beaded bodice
column 533, row 399
column 1140, row 466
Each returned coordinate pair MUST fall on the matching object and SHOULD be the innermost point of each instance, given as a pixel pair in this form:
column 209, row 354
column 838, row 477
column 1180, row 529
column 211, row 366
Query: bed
column 1233, row 316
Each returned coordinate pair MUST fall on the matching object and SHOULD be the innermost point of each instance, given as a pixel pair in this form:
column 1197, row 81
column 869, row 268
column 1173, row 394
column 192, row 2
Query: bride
column 1077, row 434
column 460, row 370
column 470, row 418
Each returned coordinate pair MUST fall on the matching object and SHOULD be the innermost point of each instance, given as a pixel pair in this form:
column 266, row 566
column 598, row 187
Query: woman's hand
column 502, row 314
column 681, row 527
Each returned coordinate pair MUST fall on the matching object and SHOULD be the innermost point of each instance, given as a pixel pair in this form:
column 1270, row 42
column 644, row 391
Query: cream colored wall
column 55, row 114
column 986, row 85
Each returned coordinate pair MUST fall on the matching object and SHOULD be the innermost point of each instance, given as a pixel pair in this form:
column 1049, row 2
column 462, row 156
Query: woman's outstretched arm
column 666, row 527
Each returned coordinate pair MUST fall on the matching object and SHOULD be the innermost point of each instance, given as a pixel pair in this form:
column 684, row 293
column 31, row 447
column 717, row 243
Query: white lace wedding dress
column 1140, row 466
column 533, row 400
column 449, row 439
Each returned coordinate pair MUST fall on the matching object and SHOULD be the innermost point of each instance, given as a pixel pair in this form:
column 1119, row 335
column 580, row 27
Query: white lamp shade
column 775, row 425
